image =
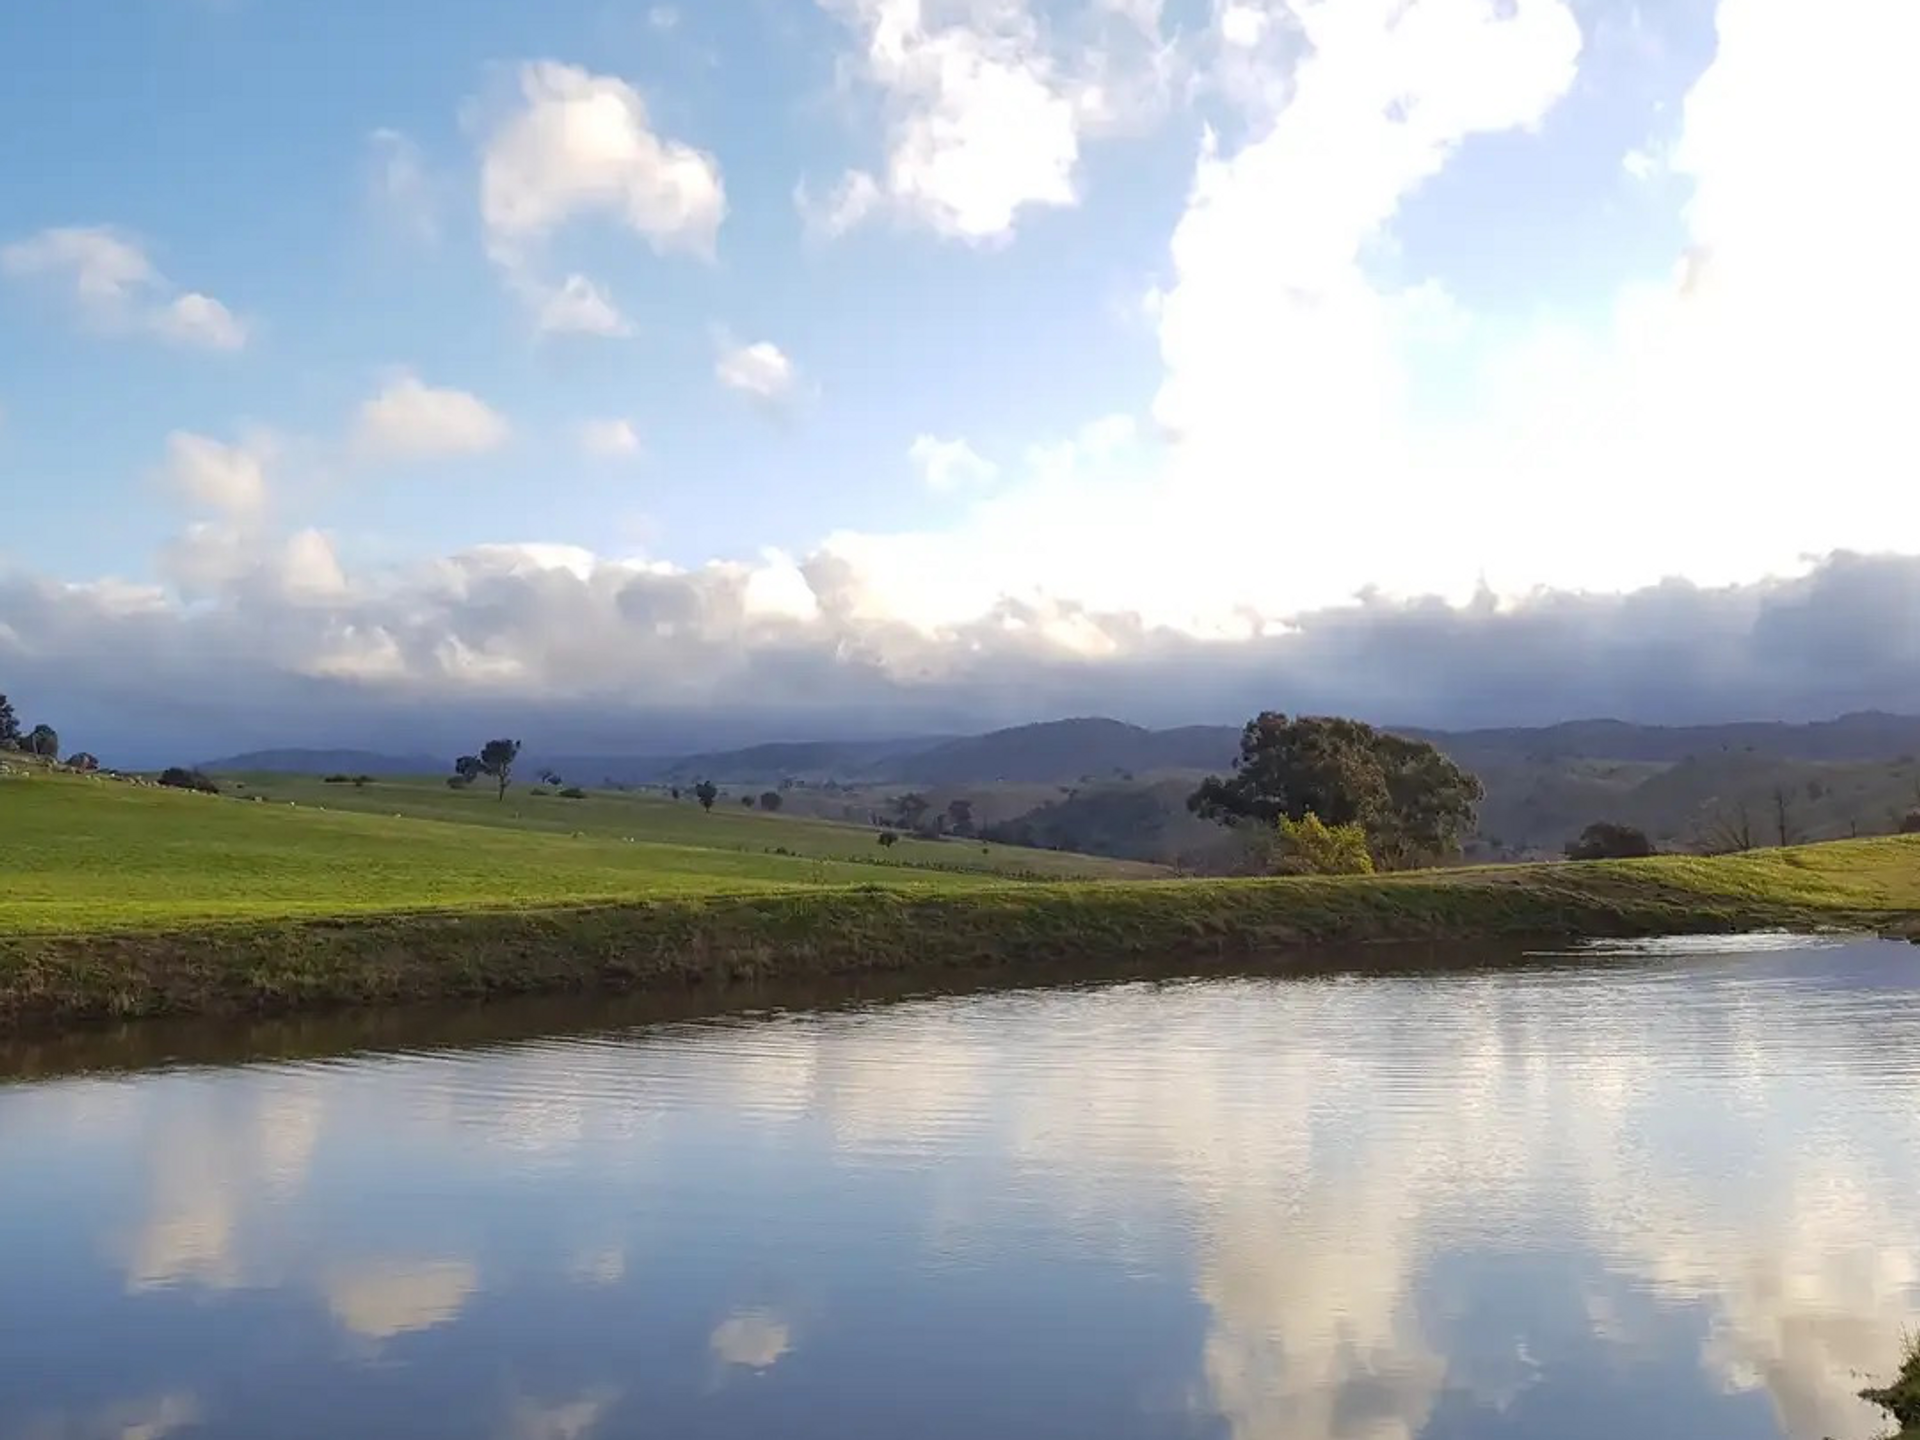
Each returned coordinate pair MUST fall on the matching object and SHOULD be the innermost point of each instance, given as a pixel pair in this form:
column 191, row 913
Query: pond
column 1667, row 1191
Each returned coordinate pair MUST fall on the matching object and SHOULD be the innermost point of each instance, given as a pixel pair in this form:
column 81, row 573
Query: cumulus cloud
column 119, row 290
column 582, row 146
column 949, row 465
column 580, row 307
column 209, row 474
column 985, row 110
column 614, row 439
column 761, row 371
column 410, row 420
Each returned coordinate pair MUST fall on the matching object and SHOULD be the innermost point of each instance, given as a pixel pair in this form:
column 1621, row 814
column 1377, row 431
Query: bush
column 177, row 777
column 338, row 780
column 888, row 839
column 1309, row 846
column 1603, row 840
column 573, row 792
column 539, row 790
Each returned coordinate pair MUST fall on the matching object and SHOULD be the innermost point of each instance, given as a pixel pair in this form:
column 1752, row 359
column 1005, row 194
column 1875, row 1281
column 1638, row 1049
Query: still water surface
column 1672, row 1193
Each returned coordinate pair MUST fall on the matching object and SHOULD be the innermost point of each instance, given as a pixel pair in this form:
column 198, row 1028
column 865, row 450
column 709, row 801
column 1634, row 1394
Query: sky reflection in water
column 1654, row 1195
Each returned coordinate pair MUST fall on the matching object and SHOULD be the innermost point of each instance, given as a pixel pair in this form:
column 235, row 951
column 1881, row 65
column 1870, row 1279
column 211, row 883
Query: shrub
column 338, row 780
column 539, row 790
column 888, row 839
column 1309, row 846
column 178, row 777
column 573, row 792
column 458, row 782
column 1604, row 840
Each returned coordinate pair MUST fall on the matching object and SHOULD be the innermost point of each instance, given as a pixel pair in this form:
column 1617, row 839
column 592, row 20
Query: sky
column 649, row 375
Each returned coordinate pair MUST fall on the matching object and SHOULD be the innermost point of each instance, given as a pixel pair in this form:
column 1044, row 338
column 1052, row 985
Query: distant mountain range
column 1064, row 751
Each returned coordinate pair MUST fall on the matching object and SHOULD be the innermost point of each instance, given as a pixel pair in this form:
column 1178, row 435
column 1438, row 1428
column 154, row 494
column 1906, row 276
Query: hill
column 329, row 762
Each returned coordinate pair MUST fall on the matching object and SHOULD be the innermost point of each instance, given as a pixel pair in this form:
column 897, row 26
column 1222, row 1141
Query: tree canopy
column 496, row 760
column 706, row 792
column 44, row 741
column 1604, row 840
column 1414, row 804
column 9, row 725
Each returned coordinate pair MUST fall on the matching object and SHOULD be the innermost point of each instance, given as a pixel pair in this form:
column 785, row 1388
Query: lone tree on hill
column 43, row 741
column 1604, row 840
column 706, row 792
column 9, row 725
column 496, row 759
column 1414, row 804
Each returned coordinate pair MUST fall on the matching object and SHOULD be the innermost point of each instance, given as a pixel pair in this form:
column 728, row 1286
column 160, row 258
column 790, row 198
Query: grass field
column 125, row 900
column 612, row 815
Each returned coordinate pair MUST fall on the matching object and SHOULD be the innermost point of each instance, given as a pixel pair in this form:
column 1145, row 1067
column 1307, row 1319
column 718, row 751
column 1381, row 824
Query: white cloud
column 949, row 465
column 196, row 319
column 609, row 439
column 231, row 479
column 409, row 420
column 580, row 307
column 979, row 124
column 119, row 290
column 760, row 370
column 663, row 18
column 853, row 198
column 402, row 188
column 583, row 145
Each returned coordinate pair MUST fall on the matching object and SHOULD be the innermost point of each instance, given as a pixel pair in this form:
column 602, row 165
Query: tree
column 706, row 792
column 960, row 816
column 178, row 777
column 1604, row 840
column 1728, row 830
column 1783, row 826
column 1413, row 802
column 1910, row 823
column 44, row 741
column 910, row 808
column 496, row 759
column 466, row 770
column 84, row 761
column 771, row 800
column 676, row 792
column 888, row 839
column 9, row 725
column 1308, row 846
column 747, row 800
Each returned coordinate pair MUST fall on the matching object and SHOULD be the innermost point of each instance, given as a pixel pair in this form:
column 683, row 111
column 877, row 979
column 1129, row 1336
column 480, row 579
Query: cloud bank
column 287, row 647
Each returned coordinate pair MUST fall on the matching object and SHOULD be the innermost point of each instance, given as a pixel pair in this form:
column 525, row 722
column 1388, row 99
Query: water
column 1672, row 1192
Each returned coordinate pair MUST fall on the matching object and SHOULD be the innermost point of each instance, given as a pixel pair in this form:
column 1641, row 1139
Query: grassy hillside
column 123, row 900
column 89, row 854
column 656, row 819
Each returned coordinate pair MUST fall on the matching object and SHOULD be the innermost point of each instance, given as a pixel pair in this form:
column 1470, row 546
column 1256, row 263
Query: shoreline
column 264, row 968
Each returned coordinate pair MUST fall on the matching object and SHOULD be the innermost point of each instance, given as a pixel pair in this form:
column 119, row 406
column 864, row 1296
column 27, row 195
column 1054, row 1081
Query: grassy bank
column 125, row 901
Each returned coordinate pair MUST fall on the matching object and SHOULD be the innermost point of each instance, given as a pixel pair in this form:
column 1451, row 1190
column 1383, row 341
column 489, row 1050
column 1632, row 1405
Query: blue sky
column 843, row 326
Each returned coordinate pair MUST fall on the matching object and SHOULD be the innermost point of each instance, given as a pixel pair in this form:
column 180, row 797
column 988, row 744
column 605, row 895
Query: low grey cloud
column 580, row 652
